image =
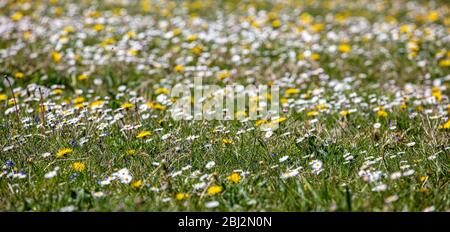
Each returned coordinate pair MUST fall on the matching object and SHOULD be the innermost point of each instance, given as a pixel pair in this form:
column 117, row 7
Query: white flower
column 396, row 175
column 98, row 194
column 391, row 199
column 210, row 165
column 46, row 154
column 408, row 173
column 379, row 188
column 429, row 209
column 50, row 174
column 411, row 144
column 289, row 174
column 284, row 158
column 212, row 204
column 377, row 125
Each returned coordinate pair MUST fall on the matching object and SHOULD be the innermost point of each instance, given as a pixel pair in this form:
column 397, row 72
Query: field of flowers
column 85, row 102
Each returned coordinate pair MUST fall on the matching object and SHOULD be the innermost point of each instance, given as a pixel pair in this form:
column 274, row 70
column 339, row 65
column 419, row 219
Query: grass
column 369, row 161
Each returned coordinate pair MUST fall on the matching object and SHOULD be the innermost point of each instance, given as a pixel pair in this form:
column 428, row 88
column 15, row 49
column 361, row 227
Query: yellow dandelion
column 19, row 75
column 131, row 152
column 143, row 134
column 63, row 151
column 56, row 56
column 215, row 189
column 179, row 68
column 162, row 91
column 381, row 113
column 136, row 184
column 17, row 16
column 344, row 48
column 227, row 141
column 344, row 113
column 78, row 166
column 83, row 77
column 182, row 196
column 234, row 178
column 96, row 104
column 3, row 97
column 312, row 113
column 126, row 105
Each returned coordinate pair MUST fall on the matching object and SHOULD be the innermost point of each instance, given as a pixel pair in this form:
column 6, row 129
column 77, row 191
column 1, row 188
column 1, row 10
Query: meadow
column 85, row 105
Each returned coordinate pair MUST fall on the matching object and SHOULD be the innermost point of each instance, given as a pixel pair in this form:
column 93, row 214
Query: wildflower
column 312, row 113
column 19, row 75
column 143, row 134
column 344, row 48
column 182, row 196
column 234, row 178
column 179, row 68
column 83, row 77
column 344, row 113
column 444, row 63
column 162, row 91
column 78, row 166
column 63, row 151
column 56, row 57
column 96, row 104
column 131, row 152
column 3, row 97
column 227, row 141
column 126, row 105
column 316, row 166
column 98, row 27
column 210, row 165
column 446, row 125
column 213, row 190
column 381, row 113
column 17, row 16
column 212, row 204
column 136, row 184
column 291, row 91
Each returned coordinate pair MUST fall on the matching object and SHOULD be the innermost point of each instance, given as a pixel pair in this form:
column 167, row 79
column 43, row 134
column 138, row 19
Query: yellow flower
column 133, row 52
column 278, row 120
column 344, row 113
column 17, row 16
column 182, row 196
column 136, row 184
column 445, row 125
column 176, row 31
column 315, row 56
column 131, row 152
column 192, row 38
column 197, row 49
column 276, row 23
column 227, row 141
column 317, row 27
column 292, row 91
column 179, row 68
column 98, row 27
column 19, row 75
column 433, row 16
column 158, row 106
column 126, row 105
column 260, row 122
column 78, row 100
column 223, row 75
column 83, row 77
column 162, row 91
column 215, row 189
column 78, row 166
column 57, row 91
column 312, row 113
column 56, row 57
column 143, row 134
column 63, row 151
column 436, row 93
column 96, row 104
column 3, row 97
column 444, row 63
column 381, row 113
column 234, row 178
column 344, row 48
